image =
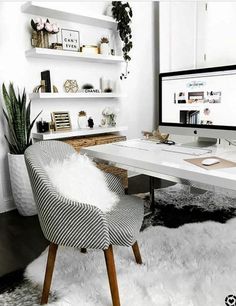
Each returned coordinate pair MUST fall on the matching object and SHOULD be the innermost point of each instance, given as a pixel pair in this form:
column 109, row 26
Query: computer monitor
column 199, row 102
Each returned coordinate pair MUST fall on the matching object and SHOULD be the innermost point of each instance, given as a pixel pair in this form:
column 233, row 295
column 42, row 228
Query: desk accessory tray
column 224, row 163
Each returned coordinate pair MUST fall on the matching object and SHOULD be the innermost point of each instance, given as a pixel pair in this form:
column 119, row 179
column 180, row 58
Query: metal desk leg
column 152, row 198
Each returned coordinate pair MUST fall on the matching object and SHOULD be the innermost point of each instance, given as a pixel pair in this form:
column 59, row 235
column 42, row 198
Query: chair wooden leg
column 49, row 272
column 111, row 271
column 137, row 254
column 83, row 250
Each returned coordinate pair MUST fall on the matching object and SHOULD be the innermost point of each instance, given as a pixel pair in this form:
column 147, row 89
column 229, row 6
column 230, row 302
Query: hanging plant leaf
column 122, row 13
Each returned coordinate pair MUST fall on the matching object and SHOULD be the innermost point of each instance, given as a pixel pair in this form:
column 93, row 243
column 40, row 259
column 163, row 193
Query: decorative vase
column 45, row 40
column 20, row 184
column 108, row 11
column 104, row 49
column 40, row 39
column 82, row 122
column 34, row 39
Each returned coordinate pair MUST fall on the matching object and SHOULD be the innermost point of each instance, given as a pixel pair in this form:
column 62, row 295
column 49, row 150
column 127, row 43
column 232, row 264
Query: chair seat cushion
column 125, row 220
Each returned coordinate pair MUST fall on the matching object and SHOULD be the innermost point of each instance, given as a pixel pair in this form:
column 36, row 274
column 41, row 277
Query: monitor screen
column 199, row 98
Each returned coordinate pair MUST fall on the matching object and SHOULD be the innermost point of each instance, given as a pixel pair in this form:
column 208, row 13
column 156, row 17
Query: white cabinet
column 177, row 35
column 197, row 34
column 216, row 34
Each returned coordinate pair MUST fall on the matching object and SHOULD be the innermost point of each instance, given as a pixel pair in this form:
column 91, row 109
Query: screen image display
column 203, row 99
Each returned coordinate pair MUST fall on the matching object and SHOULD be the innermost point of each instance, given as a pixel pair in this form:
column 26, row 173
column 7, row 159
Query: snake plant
column 17, row 115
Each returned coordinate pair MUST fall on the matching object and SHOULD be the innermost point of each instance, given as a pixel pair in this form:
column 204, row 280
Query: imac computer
column 199, row 102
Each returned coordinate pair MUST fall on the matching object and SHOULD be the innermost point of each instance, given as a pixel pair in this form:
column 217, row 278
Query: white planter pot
column 105, row 49
column 20, row 184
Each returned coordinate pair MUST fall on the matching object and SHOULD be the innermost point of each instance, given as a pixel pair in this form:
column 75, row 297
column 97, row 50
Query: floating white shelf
column 40, row 95
column 36, row 8
column 78, row 132
column 72, row 55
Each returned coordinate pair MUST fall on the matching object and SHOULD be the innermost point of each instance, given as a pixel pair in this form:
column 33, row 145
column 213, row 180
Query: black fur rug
column 178, row 205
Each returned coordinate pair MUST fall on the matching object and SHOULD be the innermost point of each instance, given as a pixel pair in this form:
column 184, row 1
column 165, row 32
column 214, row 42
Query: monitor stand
column 201, row 142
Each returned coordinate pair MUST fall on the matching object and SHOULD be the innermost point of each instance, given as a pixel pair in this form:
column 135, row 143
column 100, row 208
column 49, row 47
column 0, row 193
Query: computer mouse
column 210, row 161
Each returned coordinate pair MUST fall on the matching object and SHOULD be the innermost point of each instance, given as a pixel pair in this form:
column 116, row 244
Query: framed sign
column 61, row 120
column 70, row 40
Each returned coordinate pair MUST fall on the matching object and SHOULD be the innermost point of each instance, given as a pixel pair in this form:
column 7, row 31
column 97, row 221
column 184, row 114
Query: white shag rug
column 193, row 265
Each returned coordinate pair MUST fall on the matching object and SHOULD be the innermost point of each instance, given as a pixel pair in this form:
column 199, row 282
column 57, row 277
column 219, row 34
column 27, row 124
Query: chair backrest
column 62, row 220
column 38, row 156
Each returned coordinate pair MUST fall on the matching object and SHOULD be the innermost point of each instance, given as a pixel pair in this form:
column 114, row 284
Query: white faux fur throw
column 193, row 265
column 77, row 178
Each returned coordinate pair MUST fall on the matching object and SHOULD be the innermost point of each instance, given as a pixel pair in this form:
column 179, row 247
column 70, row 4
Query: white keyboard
column 186, row 150
column 135, row 144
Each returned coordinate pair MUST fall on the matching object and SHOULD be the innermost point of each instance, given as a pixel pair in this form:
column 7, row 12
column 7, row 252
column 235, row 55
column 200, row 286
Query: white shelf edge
column 103, row 21
column 77, row 133
column 53, row 96
column 72, row 55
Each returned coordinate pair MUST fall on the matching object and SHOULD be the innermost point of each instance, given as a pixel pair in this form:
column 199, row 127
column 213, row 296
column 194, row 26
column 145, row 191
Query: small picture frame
column 61, row 121
column 70, row 40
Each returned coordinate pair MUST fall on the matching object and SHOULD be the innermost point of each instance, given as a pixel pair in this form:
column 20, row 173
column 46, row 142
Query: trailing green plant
column 123, row 14
column 17, row 115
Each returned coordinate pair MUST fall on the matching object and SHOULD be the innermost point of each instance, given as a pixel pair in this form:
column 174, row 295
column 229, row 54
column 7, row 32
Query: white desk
column 149, row 158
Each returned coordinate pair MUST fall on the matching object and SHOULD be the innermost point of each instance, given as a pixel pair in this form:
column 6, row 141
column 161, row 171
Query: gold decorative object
column 71, row 86
column 56, row 46
column 54, row 89
column 61, row 121
column 89, row 49
column 41, row 88
column 155, row 135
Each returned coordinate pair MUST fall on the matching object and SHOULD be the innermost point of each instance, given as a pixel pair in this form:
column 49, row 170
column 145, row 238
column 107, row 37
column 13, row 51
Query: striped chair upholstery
column 80, row 225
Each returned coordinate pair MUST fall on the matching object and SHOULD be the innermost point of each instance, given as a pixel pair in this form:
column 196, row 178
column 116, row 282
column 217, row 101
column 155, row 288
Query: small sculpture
column 41, row 88
column 71, row 86
column 155, row 135
column 87, row 86
column 90, row 122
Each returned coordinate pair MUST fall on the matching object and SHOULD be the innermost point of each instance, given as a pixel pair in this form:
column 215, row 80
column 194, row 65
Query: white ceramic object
column 82, row 122
column 105, row 49
column 20, row 184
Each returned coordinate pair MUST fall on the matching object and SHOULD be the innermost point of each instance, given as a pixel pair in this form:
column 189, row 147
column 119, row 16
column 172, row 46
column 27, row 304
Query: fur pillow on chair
column 77, row 178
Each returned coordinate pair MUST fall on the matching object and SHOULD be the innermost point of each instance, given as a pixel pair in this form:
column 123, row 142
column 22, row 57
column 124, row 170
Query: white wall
column 136, row 111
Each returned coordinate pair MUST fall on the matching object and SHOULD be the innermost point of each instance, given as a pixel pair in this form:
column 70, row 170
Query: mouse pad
column 224, row 163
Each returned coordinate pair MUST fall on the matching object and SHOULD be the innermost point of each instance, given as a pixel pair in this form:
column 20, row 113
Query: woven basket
column 88, row 141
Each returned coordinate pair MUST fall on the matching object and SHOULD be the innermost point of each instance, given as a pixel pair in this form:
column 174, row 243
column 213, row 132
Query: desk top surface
column 150, row 158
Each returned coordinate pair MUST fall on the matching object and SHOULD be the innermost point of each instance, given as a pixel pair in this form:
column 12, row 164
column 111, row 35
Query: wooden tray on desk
column 224, row 163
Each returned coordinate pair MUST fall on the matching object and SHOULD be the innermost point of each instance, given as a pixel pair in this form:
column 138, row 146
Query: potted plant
column 110, row 116
column 17, row 115
column 41, row 31
column 123, row 14
column 104, row 46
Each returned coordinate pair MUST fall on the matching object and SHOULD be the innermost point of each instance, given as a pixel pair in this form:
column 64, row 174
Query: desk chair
column 80, row 225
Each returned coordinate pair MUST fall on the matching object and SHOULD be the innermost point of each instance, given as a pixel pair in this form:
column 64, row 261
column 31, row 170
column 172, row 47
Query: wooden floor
column 21, row 239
